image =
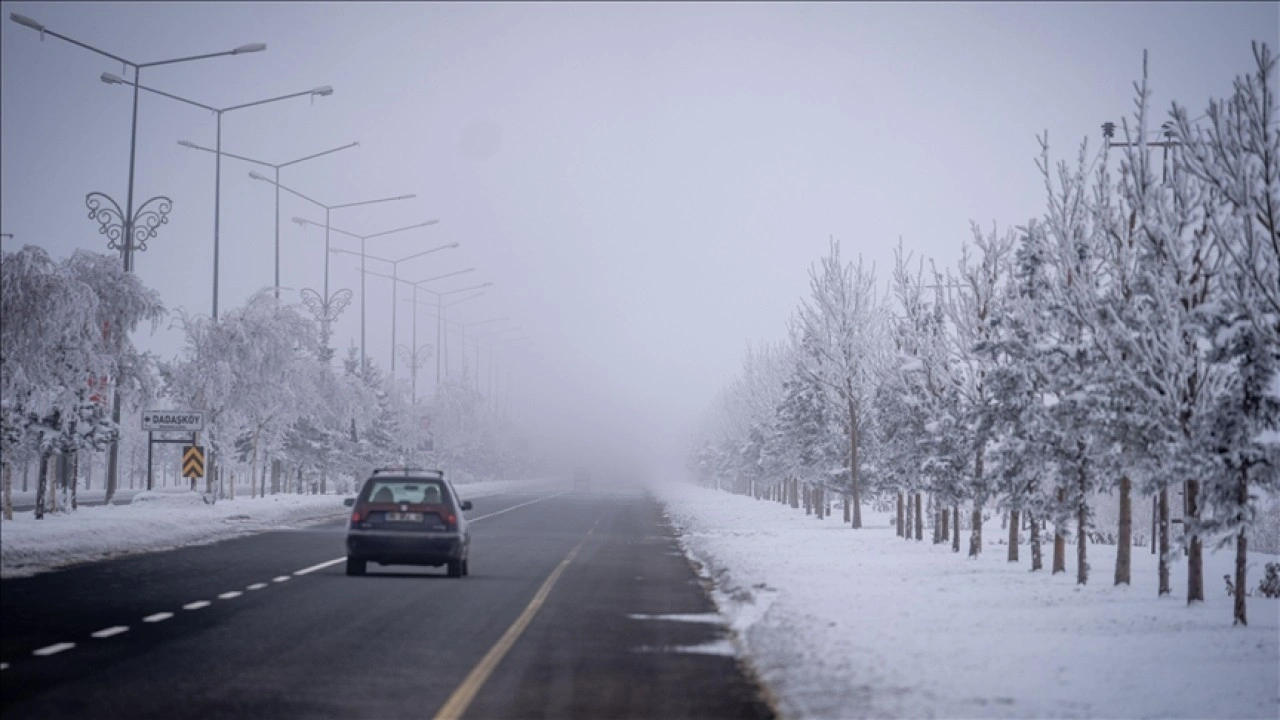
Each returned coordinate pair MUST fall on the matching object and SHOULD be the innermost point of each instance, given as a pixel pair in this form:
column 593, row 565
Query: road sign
column 193, row 461
column 172, row 421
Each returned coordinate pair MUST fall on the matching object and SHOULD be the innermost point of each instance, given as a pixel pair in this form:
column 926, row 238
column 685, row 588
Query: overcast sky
column 645, row 185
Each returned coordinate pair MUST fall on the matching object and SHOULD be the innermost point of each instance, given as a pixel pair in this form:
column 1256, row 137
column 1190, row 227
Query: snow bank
column 845, row 624
column 165, row 520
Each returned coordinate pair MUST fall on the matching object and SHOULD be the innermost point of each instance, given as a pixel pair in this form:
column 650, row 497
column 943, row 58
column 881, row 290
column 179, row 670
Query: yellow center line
column 461, row 698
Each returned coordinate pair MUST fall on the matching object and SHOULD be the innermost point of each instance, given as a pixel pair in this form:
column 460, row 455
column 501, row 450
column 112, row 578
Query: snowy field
column 168, row 519
column 845, row 624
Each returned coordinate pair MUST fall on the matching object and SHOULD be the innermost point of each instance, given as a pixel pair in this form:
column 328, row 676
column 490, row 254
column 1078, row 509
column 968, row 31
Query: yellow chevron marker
column 193, row 461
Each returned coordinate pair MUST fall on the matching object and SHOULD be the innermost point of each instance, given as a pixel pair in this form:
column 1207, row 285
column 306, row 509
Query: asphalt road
column 577, row 606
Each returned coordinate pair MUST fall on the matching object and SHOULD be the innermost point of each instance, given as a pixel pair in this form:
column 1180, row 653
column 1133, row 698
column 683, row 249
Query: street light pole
column 323, row 91
column 276, row 167
column 324, row 306
column 394, row 264
column 127, row 218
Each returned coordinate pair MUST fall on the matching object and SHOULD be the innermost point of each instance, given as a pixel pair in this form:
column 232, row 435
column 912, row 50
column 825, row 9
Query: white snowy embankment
column 166, row 520
column 848, row 624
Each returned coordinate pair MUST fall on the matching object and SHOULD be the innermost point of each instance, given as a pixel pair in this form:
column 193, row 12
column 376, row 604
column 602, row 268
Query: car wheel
column 466, row 568
column 455, row 568
column 355, row 566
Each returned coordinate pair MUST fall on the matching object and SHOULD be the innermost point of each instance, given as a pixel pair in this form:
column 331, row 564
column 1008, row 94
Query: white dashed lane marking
column 196, row 605
column 256, row 586
column 229, row 595
column 53, row 649
column 280, row 578
column 4, row 666
column 108, row 632
column 157, row 617
column 321, row 566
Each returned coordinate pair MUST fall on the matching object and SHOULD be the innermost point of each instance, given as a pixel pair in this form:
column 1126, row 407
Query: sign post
column 164, row 421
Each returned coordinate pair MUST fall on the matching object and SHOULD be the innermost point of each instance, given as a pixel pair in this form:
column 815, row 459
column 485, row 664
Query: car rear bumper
column 404, row 548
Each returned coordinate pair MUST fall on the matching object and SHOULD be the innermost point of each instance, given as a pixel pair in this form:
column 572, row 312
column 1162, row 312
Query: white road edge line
column 230, row 594
column 108, row 632
column 516, row 507
column 335, row 561
column 320, row 566
column 256, row 586
column 157, row 617
column 53, row 649
column 196, row 605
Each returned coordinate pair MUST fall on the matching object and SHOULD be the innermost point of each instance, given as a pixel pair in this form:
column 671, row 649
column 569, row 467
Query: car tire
column 355, row 566
column 455, row 568
column 466, row 568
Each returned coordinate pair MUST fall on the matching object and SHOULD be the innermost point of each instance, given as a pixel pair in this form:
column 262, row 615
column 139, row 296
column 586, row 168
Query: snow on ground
column 848, row 624
column 168, row 519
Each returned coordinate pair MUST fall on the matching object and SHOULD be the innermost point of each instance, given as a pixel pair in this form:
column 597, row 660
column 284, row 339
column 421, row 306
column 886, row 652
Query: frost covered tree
column 845, row 326
column 72, row 341
column 971, row 302
column 1238, row 157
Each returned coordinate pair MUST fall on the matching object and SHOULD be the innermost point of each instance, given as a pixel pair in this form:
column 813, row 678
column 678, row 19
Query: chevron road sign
column 193, row 461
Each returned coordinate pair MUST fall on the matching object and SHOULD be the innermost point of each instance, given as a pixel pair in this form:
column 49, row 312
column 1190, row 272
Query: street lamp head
column 24, row 20
column 110, row 79
column 324, row 90
column 405, row 197
column 454, row 245
column 250, row 48
column 257, row 176
column 188, row 144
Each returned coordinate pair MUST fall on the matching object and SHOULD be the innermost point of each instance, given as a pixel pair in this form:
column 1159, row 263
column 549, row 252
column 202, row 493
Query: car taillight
column 451, row 520
column 357, row 517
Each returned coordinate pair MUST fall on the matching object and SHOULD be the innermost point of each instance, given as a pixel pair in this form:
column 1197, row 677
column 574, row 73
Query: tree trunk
column 975, row 533
column 900, row 523
column 75, row 480
column 1124, row 541
column 1195, row 556
column 1036, row 560
column 919, row 519
column 8, row 491
column 1163, row 560
column 945, row 532
column 210, row 470
column 1082, row 543
column 1242, row 545
column 26, row 470
column 253, row 467
column 42, row 483
column 807, row 493
column 1014, row 519
column 275, row 477
column 821, row 499
column 88, row 473
column 846, row 509
column 853, row 456
column 955, row 528
column 1059, row 542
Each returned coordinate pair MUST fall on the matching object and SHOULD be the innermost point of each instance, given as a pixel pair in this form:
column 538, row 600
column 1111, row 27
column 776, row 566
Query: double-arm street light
column 123, row 227
column 414, row 350
column 276, row 167
column 394, row 265
column 121, row 230
column 462, row 330
column 322, row 91
column 328, row 306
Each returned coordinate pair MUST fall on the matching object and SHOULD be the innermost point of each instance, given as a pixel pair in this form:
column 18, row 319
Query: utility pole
column 1109, row 133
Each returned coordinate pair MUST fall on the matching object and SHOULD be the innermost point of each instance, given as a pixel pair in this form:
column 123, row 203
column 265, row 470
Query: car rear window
column 417, row 492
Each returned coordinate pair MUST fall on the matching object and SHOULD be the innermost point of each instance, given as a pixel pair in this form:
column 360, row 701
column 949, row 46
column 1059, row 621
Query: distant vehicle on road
column 408, row 516
column 582, row 480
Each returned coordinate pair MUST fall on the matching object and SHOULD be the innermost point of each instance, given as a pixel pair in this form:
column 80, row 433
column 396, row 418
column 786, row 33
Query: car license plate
column 404, row 517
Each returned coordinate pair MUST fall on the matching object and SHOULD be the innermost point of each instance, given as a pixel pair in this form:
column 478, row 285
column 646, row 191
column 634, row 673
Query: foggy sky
column 644, row 184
